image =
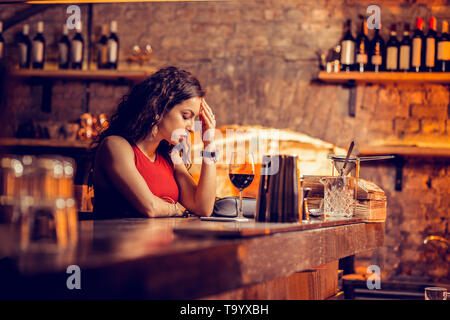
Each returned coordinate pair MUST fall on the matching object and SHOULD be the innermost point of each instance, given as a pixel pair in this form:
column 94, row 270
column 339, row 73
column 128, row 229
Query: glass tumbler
column 339, row 196
column 435, row 293
column 48, row 221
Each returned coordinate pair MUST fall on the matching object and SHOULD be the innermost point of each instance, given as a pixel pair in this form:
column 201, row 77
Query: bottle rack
column 351, row 79
column 44, row 78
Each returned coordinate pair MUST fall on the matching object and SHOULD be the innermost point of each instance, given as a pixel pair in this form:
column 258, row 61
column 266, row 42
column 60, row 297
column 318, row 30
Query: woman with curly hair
column 135, row 172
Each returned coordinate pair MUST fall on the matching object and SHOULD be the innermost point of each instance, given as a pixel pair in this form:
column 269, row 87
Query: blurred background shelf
column 379, row 77
column 46, row 143
column 401, row 152
column 46, row 79
column 86, row 75
column 405, row 151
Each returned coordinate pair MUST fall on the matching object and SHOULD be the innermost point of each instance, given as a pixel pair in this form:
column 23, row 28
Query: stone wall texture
column 257, row 60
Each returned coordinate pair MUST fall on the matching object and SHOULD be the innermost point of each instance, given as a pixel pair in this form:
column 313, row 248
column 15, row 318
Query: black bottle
column 404, row 58
column 24, row 48
column 102, row 50
column 430, row 42
column 64, row 49
column 348, row 48
column 443, row 50
column 417, row 48
column 2, row 42
column 113, row 46
column 38, row 48
column 377, row 58
column 392, row 50
column 77, row 48
column 362, row 48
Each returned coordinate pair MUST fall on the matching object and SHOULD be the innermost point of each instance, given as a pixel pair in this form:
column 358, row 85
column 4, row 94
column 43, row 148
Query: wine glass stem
column 240, row 213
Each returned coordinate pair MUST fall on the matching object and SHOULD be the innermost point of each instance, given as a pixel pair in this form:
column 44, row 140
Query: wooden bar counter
column 186, row 258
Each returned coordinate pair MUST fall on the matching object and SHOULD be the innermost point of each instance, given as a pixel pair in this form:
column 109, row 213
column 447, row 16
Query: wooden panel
column 267, row 258
column 316, row 284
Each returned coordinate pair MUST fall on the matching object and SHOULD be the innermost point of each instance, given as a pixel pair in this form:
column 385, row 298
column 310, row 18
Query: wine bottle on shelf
column 113, row 46
column 64, row 49
column 77, row 48
column 443, row 50
column 24, row 48
column 430, row 53
column 362, row 47
column 392, row 50
column 38, row 47
column 2, row 42
column 405, row 51
column 377, row 52
column 102, row 49
column 417, row 48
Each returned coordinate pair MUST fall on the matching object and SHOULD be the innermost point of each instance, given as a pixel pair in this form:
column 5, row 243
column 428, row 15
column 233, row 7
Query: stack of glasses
column 37, row 200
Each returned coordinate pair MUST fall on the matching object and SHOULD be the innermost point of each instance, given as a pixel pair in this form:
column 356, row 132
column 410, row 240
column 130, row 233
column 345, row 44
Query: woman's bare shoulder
column 115, row 146
column 115, row 142
column 113, row 152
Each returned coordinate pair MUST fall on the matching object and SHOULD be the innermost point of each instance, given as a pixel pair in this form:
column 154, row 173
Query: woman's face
column 179, row 121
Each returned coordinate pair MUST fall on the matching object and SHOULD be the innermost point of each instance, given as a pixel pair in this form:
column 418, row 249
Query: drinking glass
column 241, row 172
column 435, row 293
column 36, row 199
column 339, row 196
column 11, row 180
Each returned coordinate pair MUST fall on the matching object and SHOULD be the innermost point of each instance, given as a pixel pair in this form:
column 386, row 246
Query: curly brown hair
column 146, row 104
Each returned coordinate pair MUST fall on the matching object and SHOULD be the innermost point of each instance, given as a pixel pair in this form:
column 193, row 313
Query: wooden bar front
column 145, row 258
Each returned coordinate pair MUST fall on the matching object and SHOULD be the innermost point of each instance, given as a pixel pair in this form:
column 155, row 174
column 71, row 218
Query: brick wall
column 256, row 60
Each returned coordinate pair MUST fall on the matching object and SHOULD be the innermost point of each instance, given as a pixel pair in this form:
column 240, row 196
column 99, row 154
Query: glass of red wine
column 241, row 172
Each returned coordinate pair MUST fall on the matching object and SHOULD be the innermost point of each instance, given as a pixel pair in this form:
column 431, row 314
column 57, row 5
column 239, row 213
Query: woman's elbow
column 150, row 214
column 205, row 211
column 149, row 210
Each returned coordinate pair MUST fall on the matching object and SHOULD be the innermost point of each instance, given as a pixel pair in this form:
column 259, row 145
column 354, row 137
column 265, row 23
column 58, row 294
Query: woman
column 135, row 172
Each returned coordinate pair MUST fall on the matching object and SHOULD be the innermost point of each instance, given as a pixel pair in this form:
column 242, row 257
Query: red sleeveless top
column 159, row 175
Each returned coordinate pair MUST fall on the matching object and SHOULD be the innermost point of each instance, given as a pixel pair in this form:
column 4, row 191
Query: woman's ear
column 155, row 130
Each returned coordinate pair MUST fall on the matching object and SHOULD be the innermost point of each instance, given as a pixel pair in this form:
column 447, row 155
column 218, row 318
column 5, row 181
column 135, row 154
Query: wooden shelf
column 88, row 75
column 380, row 77
column 405, row 151
column 49, row 143
column 401, row 152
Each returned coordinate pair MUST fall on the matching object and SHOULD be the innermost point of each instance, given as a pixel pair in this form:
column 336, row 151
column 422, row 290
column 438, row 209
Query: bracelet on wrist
column 213, row 155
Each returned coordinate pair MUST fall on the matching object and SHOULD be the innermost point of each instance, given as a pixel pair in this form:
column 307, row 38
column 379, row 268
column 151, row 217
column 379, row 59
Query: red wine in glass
column 241, row 181
column 241, row 173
